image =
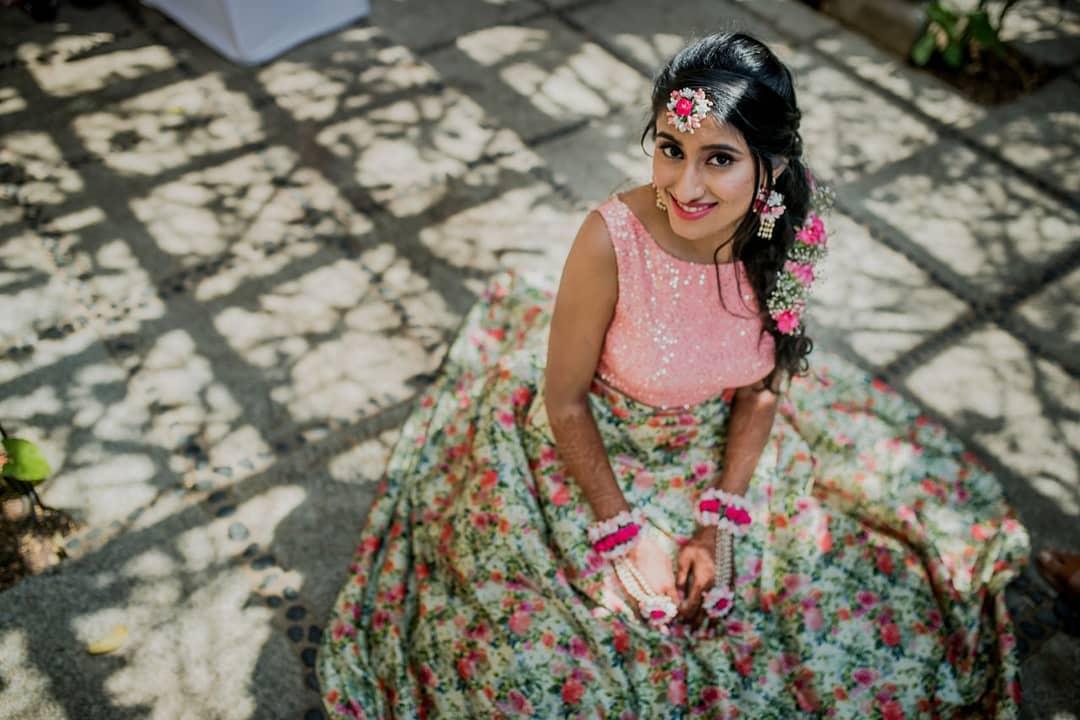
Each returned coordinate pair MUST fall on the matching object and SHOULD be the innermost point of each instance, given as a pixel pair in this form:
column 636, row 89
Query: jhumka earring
column 769, row 207
column 659, row 198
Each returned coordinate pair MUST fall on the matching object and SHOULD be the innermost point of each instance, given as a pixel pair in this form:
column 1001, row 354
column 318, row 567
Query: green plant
column 960, row 36
column 22, row 468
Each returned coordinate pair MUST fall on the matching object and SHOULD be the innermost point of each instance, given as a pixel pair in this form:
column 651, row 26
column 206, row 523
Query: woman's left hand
column 695, row 574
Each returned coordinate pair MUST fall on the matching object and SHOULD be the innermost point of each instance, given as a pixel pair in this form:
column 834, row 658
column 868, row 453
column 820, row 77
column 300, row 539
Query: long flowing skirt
column 870, row 586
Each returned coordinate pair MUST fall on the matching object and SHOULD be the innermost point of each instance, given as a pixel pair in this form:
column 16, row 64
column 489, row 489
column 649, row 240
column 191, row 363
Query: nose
column 689, row 186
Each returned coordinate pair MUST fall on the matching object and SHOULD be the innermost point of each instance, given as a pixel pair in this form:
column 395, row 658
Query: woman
column 664, row 518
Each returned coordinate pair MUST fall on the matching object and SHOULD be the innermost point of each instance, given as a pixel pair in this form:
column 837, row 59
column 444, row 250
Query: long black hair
column 752, row 91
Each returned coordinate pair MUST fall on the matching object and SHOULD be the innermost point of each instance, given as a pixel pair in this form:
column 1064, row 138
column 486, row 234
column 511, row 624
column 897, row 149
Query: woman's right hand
column 654, row 564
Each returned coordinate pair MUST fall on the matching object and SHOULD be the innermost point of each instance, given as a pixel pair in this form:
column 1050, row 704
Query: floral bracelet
column 613, row 538
column 725, row 510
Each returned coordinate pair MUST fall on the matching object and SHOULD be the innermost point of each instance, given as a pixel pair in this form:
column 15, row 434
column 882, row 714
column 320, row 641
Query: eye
column 721, row 160
column 671, row 150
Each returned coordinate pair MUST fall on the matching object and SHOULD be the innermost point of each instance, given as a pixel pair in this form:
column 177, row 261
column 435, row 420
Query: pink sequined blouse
column 670, row 342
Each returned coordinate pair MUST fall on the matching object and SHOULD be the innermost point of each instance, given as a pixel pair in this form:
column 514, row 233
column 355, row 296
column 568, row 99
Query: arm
column 583, row 310
column 752, row 414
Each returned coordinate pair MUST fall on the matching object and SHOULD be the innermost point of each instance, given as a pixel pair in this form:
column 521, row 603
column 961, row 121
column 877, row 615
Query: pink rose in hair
column 803, row 272
column 813, row 231
column 786, row 321
column 684, row 107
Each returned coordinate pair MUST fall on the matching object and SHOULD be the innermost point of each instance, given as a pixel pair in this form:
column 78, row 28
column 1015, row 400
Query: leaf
column 25, row 461
column 954, row 54
column 111, row 642
column 981, row 31
column 942, row 16
column 923, row 48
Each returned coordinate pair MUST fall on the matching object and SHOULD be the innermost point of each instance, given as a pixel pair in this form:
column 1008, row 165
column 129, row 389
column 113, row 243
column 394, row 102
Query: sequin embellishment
column 671, row 343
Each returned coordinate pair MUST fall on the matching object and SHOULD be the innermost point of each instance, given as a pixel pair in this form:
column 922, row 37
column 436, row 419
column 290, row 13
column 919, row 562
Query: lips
column 692, row 211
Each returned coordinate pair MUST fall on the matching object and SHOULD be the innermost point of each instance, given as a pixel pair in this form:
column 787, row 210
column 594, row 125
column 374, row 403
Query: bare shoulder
column 641, row 200
column 593, row 241
column 590, row 274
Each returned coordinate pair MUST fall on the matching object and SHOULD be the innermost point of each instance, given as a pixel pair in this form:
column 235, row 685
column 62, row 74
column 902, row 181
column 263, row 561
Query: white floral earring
column 769, row 206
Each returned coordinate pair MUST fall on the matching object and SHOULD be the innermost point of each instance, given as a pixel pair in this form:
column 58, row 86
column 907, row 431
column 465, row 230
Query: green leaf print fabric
column 871, row 585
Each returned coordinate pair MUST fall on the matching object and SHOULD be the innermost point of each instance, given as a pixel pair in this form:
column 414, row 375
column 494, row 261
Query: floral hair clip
column 788, row 300
column 687, row 108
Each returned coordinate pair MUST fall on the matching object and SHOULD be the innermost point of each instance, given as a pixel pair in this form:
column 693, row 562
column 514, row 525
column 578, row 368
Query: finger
column 685, row 563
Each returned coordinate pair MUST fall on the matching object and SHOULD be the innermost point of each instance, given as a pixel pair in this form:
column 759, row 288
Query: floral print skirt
column 871, row 585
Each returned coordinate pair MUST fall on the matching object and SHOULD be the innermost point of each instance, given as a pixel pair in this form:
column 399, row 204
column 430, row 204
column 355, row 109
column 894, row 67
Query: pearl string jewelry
column 720, row 599
column 658, row 610
column 730, row 515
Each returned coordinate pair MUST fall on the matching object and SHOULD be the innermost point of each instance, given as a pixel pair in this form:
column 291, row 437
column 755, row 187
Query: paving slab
column 414, row 143
column 174, row 125
column 424, row 23
column 100, row 429
column 1057, row 695
column 646, row 34
column 872, row 301
column 287, row 510
column 539, row 77
column 1039, row 132
column 602, row 157
column 986, row 229
column 1045, row 30
column 341, row 73
column 847, row 131
column 38, row 178
column 528, row 227
column 1016, row 405
column 794, row 19
column 262, row 266
column 95, row 56
column 35, row 297
column 892, row 74
column 1050, row 320
column 196, row 646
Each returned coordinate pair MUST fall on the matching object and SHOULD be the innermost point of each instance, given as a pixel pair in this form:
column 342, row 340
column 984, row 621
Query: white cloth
column 253, row 31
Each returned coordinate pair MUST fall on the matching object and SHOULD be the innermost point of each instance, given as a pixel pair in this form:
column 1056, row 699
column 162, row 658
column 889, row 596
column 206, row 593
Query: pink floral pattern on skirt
column 871, row 585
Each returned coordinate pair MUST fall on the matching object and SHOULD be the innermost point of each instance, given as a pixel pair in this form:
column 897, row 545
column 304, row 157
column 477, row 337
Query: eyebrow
column 719, row 146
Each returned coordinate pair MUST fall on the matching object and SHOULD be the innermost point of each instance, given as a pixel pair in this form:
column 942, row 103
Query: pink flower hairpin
column 687, row 108
column 787, row 302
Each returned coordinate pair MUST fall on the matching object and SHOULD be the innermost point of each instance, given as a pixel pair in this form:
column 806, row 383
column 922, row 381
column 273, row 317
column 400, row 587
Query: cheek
column 662, row 171
column 737, row 189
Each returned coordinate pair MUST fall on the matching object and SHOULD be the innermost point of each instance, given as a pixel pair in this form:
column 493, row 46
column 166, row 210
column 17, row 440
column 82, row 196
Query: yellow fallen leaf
column 110, row 642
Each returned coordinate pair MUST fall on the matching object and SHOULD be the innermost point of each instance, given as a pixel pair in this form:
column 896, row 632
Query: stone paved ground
column 222, row 286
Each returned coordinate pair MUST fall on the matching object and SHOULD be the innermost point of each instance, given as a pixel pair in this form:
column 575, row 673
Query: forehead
column 711, row 132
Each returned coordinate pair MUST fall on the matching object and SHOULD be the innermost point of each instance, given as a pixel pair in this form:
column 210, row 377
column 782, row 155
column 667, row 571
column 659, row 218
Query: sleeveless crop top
column 671, row 343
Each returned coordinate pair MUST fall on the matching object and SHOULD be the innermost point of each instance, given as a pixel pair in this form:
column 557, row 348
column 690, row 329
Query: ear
column 779, row 168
